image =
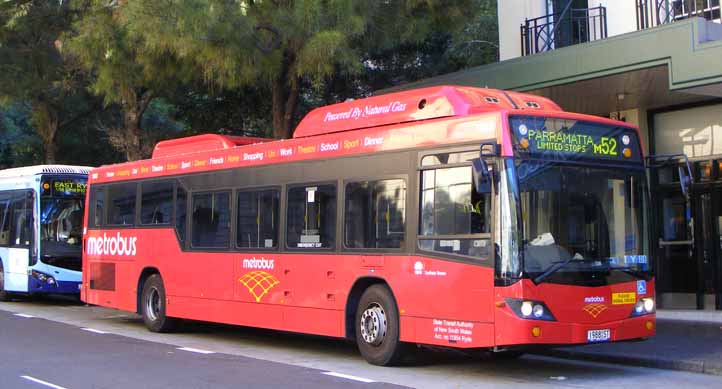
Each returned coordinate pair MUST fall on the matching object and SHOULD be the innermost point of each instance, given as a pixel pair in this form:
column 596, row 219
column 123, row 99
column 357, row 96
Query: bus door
column 16, row 238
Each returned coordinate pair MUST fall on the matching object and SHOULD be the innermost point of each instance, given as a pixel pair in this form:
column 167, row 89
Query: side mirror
column 480, row 173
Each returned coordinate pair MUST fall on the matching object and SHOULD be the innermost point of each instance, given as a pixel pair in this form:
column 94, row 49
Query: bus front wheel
column 154, row 304
column 4, row 296
column 377, row 327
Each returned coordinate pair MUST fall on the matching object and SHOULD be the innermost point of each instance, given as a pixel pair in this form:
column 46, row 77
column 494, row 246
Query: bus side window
column 96, row 203
column 121, row 200
column 375, row 214
column 4, row 219
column 211, row 220
column 180, row 214
column 22, row 219
column 156, row 202
column 311, row 217
column 257, row 219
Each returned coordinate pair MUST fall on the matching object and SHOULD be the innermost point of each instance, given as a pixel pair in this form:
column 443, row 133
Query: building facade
column 656, row 64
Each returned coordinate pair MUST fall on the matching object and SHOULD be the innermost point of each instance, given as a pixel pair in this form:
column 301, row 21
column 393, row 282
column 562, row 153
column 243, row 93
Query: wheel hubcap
column 373, row 324
column 152, row 304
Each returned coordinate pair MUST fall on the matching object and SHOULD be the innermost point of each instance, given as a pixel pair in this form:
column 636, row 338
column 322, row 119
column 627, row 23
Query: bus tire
column 4, row 296
column 377, row 327
column 153, row 303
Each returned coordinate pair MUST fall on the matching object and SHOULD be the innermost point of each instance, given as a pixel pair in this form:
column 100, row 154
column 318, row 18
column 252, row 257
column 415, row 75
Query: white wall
column 512, row 14
column 621, row 15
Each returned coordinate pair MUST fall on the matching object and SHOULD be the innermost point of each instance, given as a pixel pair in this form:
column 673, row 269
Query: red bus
column 446, row 216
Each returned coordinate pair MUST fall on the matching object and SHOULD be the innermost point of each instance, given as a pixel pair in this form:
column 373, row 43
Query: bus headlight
column 648, row 304
column 643, row 306
column 530, row 309
column 538, row 311
column 526, row 308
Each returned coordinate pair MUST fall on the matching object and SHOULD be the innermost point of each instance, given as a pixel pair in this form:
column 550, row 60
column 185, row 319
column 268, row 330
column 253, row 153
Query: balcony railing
column 568, row 27
column 651, row 13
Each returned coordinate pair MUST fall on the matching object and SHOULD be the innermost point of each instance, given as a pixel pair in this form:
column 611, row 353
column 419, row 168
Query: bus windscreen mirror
column 481, row 173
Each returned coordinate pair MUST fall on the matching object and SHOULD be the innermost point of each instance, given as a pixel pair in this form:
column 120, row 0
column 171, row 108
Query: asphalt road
column 61, row 343
column 37, row 353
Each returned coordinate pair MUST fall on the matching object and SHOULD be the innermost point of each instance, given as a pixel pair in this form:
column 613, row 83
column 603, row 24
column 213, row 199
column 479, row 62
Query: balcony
column 571, row 26
column 651, row 13
column 566, row 28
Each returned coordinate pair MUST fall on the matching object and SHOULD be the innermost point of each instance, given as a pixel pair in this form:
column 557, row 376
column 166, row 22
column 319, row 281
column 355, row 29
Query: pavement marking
column 348, row 377
column 196, row 350
column 93, row 330
column 25, row 315
column 41, row 382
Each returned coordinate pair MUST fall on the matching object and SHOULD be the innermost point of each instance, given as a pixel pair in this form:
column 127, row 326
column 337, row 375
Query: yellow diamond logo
column 258, row 283
column 594, row 310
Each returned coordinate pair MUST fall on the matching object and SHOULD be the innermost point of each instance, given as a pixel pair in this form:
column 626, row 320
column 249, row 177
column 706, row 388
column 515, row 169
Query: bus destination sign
column 64, row 188
column 560, row 139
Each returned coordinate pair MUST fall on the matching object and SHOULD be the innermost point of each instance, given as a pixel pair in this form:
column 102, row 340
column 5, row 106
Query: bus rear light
column 530, row 309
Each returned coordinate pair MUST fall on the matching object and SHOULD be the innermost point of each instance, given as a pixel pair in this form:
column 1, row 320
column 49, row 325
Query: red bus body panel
column 441, row 302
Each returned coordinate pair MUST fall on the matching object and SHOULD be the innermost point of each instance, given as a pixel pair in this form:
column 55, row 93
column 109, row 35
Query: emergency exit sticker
column 624, row 298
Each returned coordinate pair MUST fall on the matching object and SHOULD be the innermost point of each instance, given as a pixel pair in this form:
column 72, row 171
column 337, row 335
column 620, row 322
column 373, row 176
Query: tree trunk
column 284, row 91
column 45, row 118
column 133, row 110
column 132, row 117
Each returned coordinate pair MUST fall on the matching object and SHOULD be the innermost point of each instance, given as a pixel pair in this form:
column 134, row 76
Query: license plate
column 598, row 335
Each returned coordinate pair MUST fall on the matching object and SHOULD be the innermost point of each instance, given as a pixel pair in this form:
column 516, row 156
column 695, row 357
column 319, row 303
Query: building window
column 258, row 219
column 211, row 227
column 311, row 216
column 121, row 200
column 156, row 203
column 375, row 215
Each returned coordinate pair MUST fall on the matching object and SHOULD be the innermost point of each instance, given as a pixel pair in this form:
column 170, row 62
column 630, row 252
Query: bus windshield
column 61, row 226
column 578, row 219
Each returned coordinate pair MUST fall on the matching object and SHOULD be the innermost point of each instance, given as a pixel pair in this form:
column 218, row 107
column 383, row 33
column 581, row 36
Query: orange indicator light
column 500, row 304
column 627, row 152
column 649, row 325
column 46, row 186
column 536, row 332
column 524, row 143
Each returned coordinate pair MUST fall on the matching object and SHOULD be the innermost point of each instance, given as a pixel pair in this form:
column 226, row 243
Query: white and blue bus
column 41, row 222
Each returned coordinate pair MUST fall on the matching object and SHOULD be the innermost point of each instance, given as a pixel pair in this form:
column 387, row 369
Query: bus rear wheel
column 153, row 305
column 4, row 296
column 377, row 327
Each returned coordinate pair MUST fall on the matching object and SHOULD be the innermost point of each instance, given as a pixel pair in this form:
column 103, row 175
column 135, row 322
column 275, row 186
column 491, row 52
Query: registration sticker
column 594, row 336
column 624, row 298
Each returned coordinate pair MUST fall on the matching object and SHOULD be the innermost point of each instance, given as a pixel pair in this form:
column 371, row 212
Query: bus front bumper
column 36, row 285
column 531, row 332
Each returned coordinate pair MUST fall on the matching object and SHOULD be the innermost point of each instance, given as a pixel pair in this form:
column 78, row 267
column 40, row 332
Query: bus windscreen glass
column 546, row 138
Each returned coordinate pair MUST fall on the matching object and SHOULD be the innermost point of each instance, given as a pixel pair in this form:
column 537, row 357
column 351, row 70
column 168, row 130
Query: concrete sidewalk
column 685, row 340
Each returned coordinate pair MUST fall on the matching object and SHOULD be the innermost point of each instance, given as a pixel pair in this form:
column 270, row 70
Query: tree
column 33, row 68
column 283, row 45
column 125, row 72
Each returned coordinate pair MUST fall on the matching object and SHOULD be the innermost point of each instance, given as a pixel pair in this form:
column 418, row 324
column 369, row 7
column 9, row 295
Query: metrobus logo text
column 113, row 245
column 262, row 263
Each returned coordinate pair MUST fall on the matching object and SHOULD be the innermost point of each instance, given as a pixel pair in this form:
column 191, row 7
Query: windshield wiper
column 556, row 266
